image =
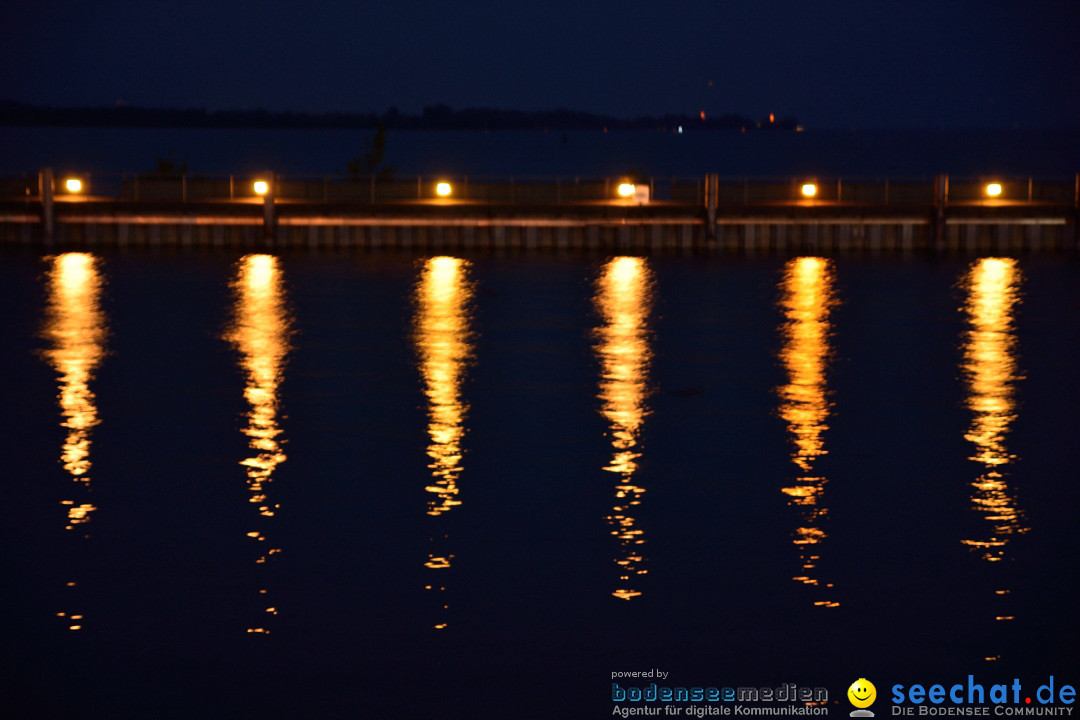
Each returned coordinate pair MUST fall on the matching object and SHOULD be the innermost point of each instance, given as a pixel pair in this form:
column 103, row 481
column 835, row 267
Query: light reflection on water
column 623, row 299
column 807, row 296
column 761, row 336
column 259, row 331
column 75, row 328
column 991, row 373
column 441, row 336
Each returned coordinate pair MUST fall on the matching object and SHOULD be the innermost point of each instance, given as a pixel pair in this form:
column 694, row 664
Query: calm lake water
column 103, row 154
column 351, row 485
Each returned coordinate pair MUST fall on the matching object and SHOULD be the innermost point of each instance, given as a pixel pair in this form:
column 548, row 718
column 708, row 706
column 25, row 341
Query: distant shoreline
column 435, row 117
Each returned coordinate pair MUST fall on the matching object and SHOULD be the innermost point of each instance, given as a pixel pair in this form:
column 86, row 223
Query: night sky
column 830, row 63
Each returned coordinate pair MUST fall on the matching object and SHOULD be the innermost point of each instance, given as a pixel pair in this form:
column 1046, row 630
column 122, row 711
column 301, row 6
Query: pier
column 635, row 215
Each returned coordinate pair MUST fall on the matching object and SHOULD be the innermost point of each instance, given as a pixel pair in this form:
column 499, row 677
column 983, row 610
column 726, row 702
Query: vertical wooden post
column 269, row 220
column 941, row 201
column 1076, row 208
column 45, row 192
column 712, row 199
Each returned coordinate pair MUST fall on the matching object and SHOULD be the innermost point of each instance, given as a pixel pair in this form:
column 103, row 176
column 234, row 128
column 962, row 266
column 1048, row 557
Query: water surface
column 396, row 486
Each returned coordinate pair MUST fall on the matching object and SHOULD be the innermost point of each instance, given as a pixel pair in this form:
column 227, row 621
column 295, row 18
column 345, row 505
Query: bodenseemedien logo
column 862, row 694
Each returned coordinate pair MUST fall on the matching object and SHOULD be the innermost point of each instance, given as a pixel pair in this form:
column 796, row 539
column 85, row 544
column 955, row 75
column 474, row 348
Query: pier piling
column 941, row 201
column 269, row 221
column 48, row 211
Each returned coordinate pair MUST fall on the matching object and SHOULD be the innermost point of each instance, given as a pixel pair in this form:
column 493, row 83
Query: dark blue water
column 110, row 152
column 393, row 486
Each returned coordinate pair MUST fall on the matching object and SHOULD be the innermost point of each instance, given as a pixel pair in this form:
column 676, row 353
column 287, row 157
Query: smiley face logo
column 862, row 693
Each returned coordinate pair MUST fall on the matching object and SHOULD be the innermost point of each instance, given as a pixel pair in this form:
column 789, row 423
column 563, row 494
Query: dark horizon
column 929, row 64
column 434, row 117
column 439, row 116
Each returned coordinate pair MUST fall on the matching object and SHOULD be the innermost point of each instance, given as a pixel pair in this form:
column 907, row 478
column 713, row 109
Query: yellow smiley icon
column 862, row 693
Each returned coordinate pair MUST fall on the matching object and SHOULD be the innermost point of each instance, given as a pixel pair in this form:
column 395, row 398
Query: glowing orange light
column 626, row 189
column 259, row 332
column 990, row 368
column 772, row 118
column 703, row 116
column 76, row 331
column 807, row 301
column 808, row 190
column 443, row 344
column 443, row 189
column 993, row 189
column 73, row 185
column 261, row 187
column 623, row 299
